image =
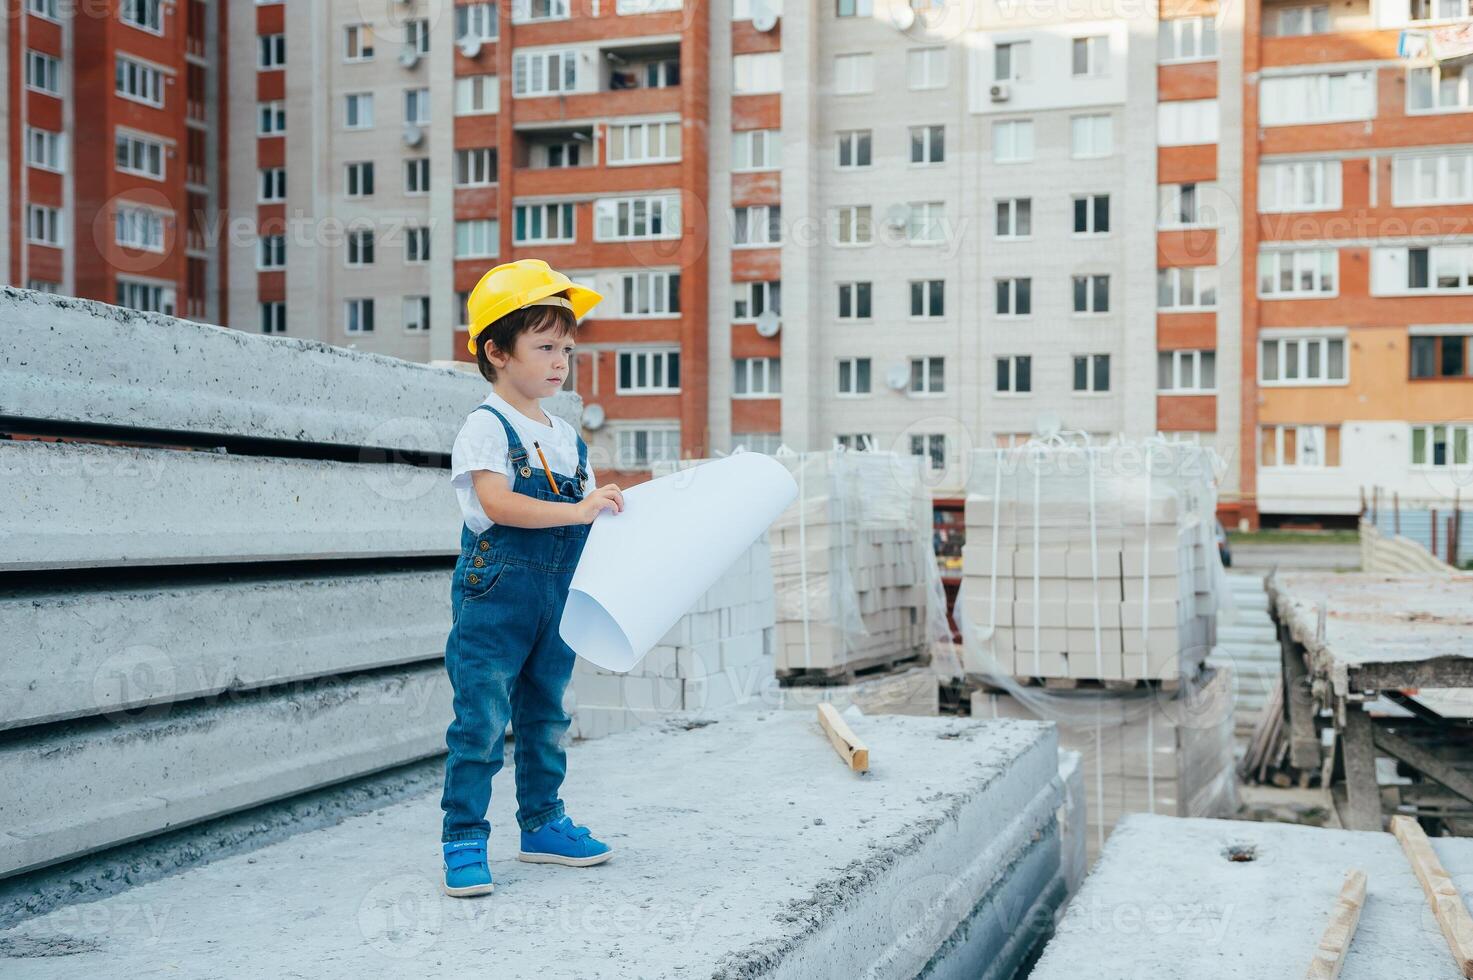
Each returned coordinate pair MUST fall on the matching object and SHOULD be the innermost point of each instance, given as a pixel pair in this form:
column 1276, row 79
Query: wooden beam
column 845, row 742
column 1358, row 749
column 1447, row 905
column 1424, row 762
column 1299, row 711
column 1329, row 957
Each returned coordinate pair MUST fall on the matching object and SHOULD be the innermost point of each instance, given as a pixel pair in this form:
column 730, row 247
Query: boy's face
column 538, row 365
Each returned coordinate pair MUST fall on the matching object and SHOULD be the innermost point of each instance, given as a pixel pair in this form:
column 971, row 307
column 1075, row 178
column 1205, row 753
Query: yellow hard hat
column 525, row 282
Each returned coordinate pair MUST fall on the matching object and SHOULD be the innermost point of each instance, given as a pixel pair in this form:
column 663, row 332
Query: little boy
column 519, row 544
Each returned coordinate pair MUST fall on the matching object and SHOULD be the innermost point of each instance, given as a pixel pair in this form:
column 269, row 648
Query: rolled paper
column 645, row 567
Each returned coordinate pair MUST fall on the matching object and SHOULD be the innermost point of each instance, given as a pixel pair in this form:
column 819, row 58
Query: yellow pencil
column 547, row 470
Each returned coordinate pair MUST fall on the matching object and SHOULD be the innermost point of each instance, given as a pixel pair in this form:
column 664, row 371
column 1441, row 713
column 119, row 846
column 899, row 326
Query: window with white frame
column 270, row 52
column 360, row 247
column 271, row 185
column 853, row 8
column 927, row 375
column 1440, row 445
column 139, row 82
column 477, row 95
column 925, row 68
column 927, row 144
column 49, row 9
column 752, row 299
column 1185, row 205
column 139, row 155
column 544, row 72
column 1010, row 61
column 1443, row 87
column 540, row 224
column 852, row 149
column 927, row 298
column 624, row 219
column 147, row 15
column 1298, row 272
column 1014, row 217
column 45, row 149
column 462, row 311
column 853, row 225
column 1192, row 288
column 1090, row 56
column 358, row 42
column 758, row 224
column 416, row 245
column 1444, row 177
column 1186, row 123
column 270, row 118
column 530, row 11
column 1015, row 374
column 1091, row 294
column 1092, row 372
column 417, row 35
column 417, row 175
column 271, row 252
column 854, row 74
column 649, row 294
column 416, row 314
column 757, row 74
column 1091, row 136
column 1441, row 9
column 1297, row 21
column 477, row 238
column 358, row 110
column 926, row 222
column 635, row 7
column 641, row 448
column 1092, row 214
column 644, row 142
column 43, row 225
column 359, row 182
column 475, row 167
column 43, row 73
column 1286, row 361
column 854, row 376
column 44, row 286
column 854, row 300
column 141, row 228
column 857, row 442
column 358, row 315
column 273, row 316
column 931, row 445
column 1339, row 96
column 417, row 106
column 1187, row 39
column 476, row 22
column 647, row 372
column 1430, row 269
column 756, row 149
column 756, row 377
column 1012, row 141
column 1309, row 446
column 1187, row 372
column 1299, row 185
column 147, row 297
column 1014, row 296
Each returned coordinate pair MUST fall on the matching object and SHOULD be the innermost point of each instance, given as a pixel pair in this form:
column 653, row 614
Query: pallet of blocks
column 717, row 655
column 1145, row 750
column 1090, row 563
column 853, row 568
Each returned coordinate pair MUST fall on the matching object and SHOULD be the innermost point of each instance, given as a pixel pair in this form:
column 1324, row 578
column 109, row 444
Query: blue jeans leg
column 539, row 722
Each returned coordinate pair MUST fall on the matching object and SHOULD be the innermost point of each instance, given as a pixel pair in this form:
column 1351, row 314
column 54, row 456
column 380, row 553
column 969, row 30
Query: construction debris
column 854, row 752
column 1335, row 943
column 1442, row 895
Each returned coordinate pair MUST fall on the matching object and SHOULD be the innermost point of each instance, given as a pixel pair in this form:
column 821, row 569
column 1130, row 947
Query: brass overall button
column 485, row 545
column 473, row 578
column 479, row 562
column 526, row 471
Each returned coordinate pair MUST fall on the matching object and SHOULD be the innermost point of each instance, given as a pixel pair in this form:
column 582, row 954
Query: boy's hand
column 606, row 497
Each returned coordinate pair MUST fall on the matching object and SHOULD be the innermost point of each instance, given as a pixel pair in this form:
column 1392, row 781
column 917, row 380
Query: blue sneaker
column 466, row 871
column 563, row 842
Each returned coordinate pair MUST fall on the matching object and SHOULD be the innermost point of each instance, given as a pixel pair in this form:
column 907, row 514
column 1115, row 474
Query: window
column 139, row 155
column 1092, row 214
column 631, row 218
column 853, row 225
column 1297, row 21
column 854, row 74
column 1192, row 288
column 557, row 155
column 477, row 238
column 360, row 247
column 855, row 441
column 475, row 167
column 853, row 8
column 646, row 6
column 925, row 68
column 646, row 142
column 927, row 298
column 756, row 377
column 1305, row 272
column 1443, row 87
column 273, row 316
column 139, row 82
column 756, row 149
column 476, row 22
column 417, row 35
column 1091, row 56
column 644, row 372
column 462, row 313
column 358, row 42
column 1441, row 9
column 1091, row 294
column 43, row 72
column 649, row 294
column 416, row 313
column 1187, row 39
column 1318, row 98
column 360, row 179
column 756, row 225
column 417, row 106
column 270, row 118
column 854, row 376
column 1440, row 355
column 544, row 72
column 1434, row 269
column 854, row 300
column 1184, row 205
column 542, row 223
column 1010, row 61
column 1186, row 371
column 416, row 245
column 927, row 375
column 927, row 144
column 926, row 222
column 1300, row 185
column 45, row 149
column 1432, row 178
column 358, row 110
column 1090, row 137
column 417, row 175
column 1015, row 217
column 271, row 252
column 270, row 51
column 1012, row 141
column 525, row 11
column 1438, row 445
column 43, row 225
column 358, row 316
column 1015, row 374
column 1299, row 360
column 643, row 447
column 1092, row 372
column 49, row 9
column 1186, row 123
column 147, row 297
column 141, row 228
column 1014, row 297
column 477, row 95
column 44, row 286
column 757, row 74
column 931, row 445
column 271, row 185
column 751, row 299
column 853, row 149
column 1299, row 445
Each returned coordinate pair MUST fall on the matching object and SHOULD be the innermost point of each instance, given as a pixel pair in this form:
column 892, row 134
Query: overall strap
column 515, row 451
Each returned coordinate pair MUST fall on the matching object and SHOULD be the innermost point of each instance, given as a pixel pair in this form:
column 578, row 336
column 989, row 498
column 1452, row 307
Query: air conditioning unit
column 1000, row 93
column 413, row 135
column 470, row 47
column 409, row 57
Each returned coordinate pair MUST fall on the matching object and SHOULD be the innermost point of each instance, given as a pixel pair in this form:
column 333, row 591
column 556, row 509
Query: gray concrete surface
column 1262, row 557
column 1166, row 903
column 744, row 848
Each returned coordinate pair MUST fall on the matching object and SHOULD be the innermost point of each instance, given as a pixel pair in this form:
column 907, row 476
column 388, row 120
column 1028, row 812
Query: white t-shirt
column 481, row 445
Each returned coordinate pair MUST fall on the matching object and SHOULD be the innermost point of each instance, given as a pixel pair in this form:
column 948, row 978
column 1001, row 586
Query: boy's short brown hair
column 503, row 333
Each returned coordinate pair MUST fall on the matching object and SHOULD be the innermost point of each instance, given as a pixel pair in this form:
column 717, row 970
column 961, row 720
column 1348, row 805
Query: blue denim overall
column 505, row 657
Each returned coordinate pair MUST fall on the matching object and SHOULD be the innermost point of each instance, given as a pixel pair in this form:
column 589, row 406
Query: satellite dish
column 897, row 215
column 768, row 324
column 409, row 57
column 1048, row 424
column 902, row 16
column 764, row 18
column 413, row 135
column 898, row 377
column 470, row 47
column 593, row 417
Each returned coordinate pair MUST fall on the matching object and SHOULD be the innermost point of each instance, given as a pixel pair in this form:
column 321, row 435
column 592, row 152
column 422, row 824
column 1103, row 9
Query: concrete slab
column 1166, row 902
column 744, row 849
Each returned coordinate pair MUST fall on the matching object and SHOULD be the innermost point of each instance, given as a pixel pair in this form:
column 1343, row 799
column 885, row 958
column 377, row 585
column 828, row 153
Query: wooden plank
column 1304, row 742
column 1442, row 895
column 1329, row 957
column 845, row 742
column 1363, row 794
column 1425, row 762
